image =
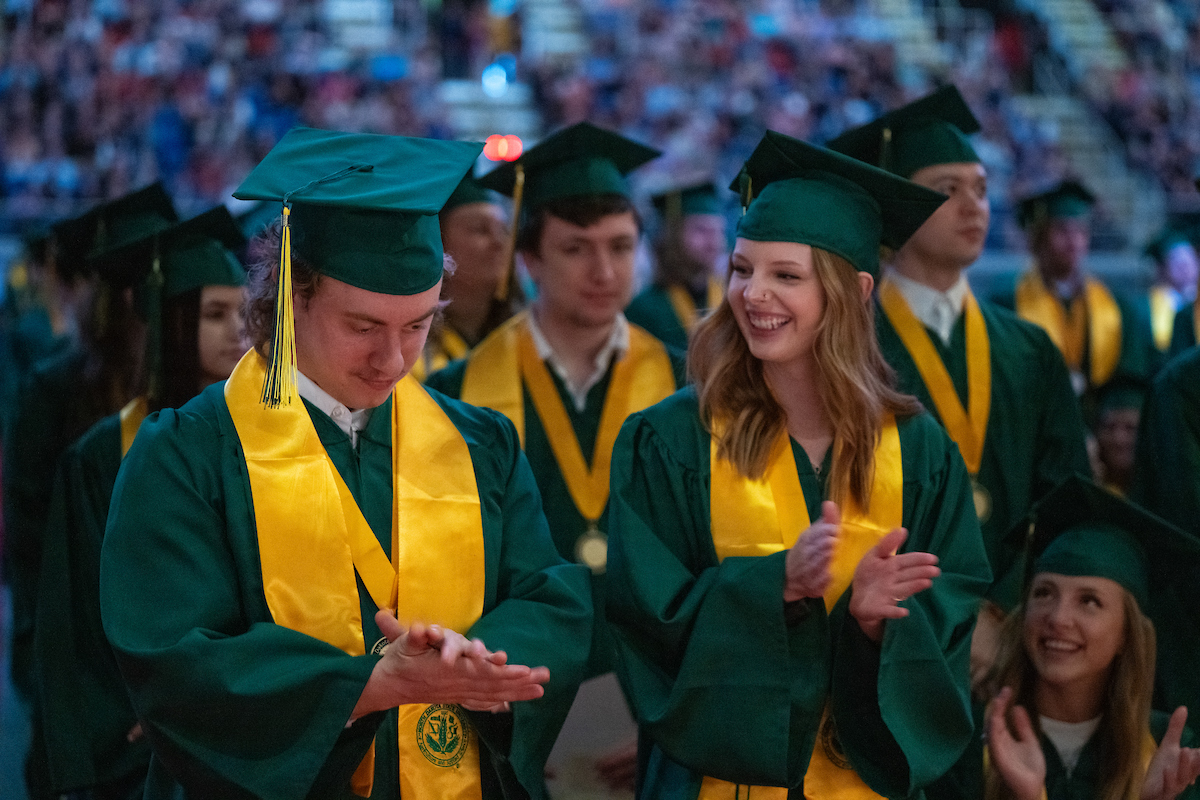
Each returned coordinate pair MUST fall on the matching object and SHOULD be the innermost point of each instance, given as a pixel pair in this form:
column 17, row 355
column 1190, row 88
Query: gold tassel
column 279, row 386
column 505, row 284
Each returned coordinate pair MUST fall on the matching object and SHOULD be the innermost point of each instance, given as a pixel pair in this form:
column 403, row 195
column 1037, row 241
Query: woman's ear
column 866, row 283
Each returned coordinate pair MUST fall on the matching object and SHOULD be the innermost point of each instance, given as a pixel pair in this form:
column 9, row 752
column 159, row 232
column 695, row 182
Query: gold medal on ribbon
column 591, row 549
column 983, row 500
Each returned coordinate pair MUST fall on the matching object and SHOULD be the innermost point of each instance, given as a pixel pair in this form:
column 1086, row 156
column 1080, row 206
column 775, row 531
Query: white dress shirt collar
column 615, row 347
column 351, row 422
column 936, row 310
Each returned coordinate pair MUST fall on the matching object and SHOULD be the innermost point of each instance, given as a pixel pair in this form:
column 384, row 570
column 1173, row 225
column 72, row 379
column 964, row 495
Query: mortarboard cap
column 578, row 161
column 1167, row 239
column 467, row 192
column 932, row 130
column 1081, row 529
column 1068, row 200
column 797, row 192
column 363, row 206
column 699, row 198
column 111, row 226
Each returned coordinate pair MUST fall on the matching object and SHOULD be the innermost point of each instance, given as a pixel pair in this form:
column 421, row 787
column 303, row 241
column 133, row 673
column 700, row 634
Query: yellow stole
column 1162, row 316
column 967, row 427
column 309, row 583
column 448, row 347
column 685, row 307
column 761, row 517
column 508, row 359
column 131, row 416
column 1094, row 320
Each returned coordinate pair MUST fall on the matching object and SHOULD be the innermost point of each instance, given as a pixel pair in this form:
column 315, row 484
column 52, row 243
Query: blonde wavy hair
column 1126, row 703
column 857, row 385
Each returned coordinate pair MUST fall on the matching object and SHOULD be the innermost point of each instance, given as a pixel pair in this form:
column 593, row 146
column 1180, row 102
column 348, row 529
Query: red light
column 503, row 148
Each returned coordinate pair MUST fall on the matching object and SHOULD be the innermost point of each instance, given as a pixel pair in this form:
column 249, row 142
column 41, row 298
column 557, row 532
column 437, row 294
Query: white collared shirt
column 615, row 347
column 351, row 422
column 1069, row 738
column 936, row 310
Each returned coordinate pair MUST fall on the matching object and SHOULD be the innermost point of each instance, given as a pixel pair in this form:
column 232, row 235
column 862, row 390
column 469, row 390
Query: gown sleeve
column 923, row 685
column 233, row 705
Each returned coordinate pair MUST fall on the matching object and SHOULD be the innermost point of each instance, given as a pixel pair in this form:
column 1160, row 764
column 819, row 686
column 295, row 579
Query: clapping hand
column 807, row 567
column 883, row 579
column 1018, row 759
column 1173, row 768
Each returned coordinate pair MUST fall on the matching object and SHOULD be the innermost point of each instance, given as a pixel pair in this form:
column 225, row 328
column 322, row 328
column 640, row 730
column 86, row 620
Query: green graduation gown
column 726, row 681
column 1035, row 433
column 85, row 710
column 1183, row 333
column 652, row 310
column 567, row 524
column 236, row 706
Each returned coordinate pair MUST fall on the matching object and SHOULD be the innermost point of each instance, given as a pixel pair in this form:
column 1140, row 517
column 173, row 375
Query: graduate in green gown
column 65, row 395
column 1166, row 476
column 571, row 368
column 1100, row 333
column 690, row 256
column 1071, row 716
column 795, row 559
column 91, row 736
column 294, row 560
column 1176, row 271
column 475, row 234
column 995, row 382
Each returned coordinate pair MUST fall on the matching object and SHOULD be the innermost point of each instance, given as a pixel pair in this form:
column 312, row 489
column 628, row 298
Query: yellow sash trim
column 1162, row 316
column 685, row 307
column 448, row 347
column 1093, row 317
column 309, row 584
column 131, row 416
column 641, row 378
column 760, row 517
column 967, row 427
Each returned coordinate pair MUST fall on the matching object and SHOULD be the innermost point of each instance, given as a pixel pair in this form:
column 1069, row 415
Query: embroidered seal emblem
column 443, row 735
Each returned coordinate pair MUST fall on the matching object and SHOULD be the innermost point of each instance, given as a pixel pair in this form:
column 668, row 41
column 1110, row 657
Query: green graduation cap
column 1070, row 199
column 110, row 227
column 360, row 208
column 699, row 198
column 577, row 161
column 932, row 130
column 363, row 207
column 1167, row 240
column 467, row 192
column 797, row 192
column 1081, row 529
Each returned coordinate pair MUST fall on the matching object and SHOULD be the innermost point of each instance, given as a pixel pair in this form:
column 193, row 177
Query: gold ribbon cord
column 685, row 308
column 1093, row 318
column 310, row 585
column 967, row 427
column 131, row 416
column 508, row 358
column 1162, row 316
column 761, row 517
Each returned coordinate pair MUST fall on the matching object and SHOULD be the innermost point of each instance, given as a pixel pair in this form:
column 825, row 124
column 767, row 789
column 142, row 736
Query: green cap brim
column 364, row 205
column 194, row 253
column 815, row 196
column 688, row 201
column 1067, row 200
column 1081, row 529
column 579, row 161
column 929, row 131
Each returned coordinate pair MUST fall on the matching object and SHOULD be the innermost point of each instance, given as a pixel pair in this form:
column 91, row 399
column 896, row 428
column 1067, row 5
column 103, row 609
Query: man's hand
column 883, row 580
column 1018, row 759
column 1173, row 768
column 432, row 664
column 806, row 571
